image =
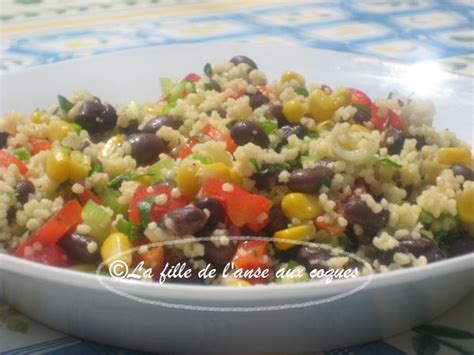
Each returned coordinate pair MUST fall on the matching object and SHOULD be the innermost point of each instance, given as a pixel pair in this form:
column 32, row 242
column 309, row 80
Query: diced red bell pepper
column 38, row 145
column 240, row 91
column 153, row 258
column 157, row 211
column 7, row 159
column 211, row 132
column 385, row 118
column 52, row 255
column 242, row 207
column 333, row 228
column 253, row 254
column 361, row 99
column 89, row 195
column 192, row 77
column 217, row 135
column 62, row 222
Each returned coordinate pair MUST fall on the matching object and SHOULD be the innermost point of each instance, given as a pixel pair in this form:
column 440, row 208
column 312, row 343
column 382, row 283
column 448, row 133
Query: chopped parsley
column 301, row 91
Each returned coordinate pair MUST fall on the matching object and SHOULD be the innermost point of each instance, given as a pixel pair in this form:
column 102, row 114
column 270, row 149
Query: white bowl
column 275, row 318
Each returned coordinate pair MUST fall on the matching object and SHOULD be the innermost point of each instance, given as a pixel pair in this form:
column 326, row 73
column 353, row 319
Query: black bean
column 467, row 173
column 257, row 100
column 361, row 117
column 146, row 147
column 276, row 111
column 298, row 129
column 266, row 177
column 420, row 142
column 417, row 247
column 131, row 128
column 166, row 182
column 183, row 221
column 219, row 255
column 81, row 247
column 23, row 189
column 3, row 139
column 310, row 180
column 243, row 59
column 313, row 257
column 462, row 246
column 394, row 140
column 83, row 145
column 95, row 117
column 216, row 215
column 11, row 214
column 244, row 132
column 276, row 221
column 153, row 125
column 357, row 212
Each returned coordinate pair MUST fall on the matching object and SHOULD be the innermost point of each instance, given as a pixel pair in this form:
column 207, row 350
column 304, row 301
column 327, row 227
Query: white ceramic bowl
column 275, row 318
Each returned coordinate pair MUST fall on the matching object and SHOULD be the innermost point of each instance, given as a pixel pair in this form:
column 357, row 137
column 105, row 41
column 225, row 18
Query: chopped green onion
column 65, row 104
column 22, row 153
column 255, row 163
column 363, row 109
column 301, row 91
column 144, row 210
column 128, row 175
column 128, row 228
column 268, row 126
column 165, row 84
column 291, row 264
column 208, row 70
column 388, row 162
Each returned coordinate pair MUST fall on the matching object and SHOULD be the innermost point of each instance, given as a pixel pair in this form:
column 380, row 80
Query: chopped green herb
column 255, row 163
column 272, row 169
column 208, row 70
column 208, row 87
column 65, row 104
column 128, row 228
column 301, row 91
column 144, row 210
column 128, row 175
column 96, row 168
column 444, row 240
column 231, row 124
column 268, row 126
column 425, row 217
column 291, row 264
column 345, row 243
column 295, row 164
column 388, row 162
column 202, row 158
column 313, row 135
column 22, row 153
column 76, row 127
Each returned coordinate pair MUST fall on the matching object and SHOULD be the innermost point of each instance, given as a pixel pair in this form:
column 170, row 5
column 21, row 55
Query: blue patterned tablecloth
column 37, row 32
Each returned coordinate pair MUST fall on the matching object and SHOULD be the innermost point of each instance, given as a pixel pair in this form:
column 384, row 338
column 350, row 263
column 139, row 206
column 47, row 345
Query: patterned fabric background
column 36, row 32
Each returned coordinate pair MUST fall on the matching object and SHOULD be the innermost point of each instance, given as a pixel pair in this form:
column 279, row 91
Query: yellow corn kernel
column 112, row 145
column 301, row 206
column 324, row 126
column 58, row 165
column 321, row 106
column 293, row 111
column 238, row 282
column 465, row 205
column 359, row 128
column 216, row 171
column 80, row 166
column 187, row 181
column 37, row 117
column 302, row 233
column 113, row 246
column 454, row 155
column 291, row 75
column 58, row 130
column 235, row 176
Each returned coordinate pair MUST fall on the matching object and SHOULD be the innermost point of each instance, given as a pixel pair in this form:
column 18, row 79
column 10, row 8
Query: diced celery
column 156, row 170
column 97, row 219
column 166, row 85
column 110, row 197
